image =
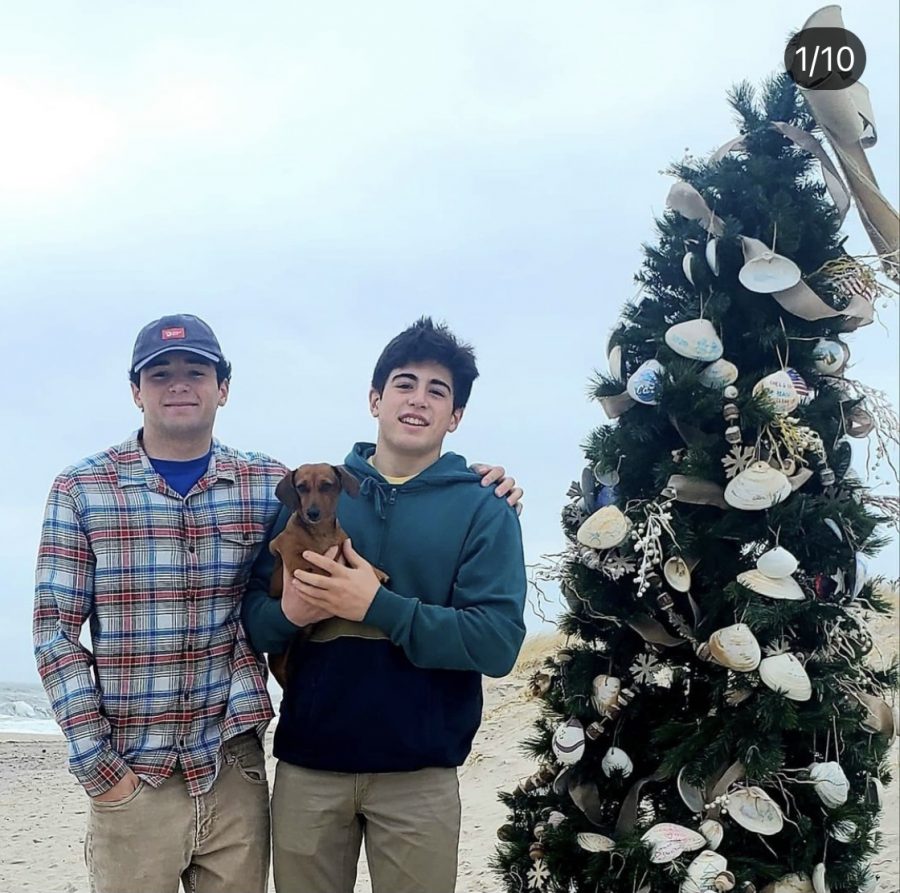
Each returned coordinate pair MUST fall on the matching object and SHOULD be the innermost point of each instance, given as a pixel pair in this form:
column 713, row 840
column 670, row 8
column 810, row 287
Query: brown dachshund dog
column 311, row 493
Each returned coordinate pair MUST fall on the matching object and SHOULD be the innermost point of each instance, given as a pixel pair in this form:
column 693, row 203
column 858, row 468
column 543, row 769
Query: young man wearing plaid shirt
column 152, row 543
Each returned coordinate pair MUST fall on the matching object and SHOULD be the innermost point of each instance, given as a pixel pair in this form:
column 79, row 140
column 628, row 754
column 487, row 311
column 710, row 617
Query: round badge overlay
column 825, row 58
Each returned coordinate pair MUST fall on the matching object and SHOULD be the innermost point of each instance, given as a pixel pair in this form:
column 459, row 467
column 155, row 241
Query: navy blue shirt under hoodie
column 452, row 610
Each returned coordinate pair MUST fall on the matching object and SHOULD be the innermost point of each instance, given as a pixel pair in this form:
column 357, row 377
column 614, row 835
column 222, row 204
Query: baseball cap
column 180, row 331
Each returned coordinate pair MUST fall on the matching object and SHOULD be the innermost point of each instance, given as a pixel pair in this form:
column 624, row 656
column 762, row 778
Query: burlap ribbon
column 684, row 199
column 848, row 124
column 653, row 632
column 696, row 491
column 617, row 405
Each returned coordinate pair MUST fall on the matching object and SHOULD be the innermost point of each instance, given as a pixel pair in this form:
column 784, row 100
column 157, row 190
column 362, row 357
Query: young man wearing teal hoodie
column 383, row 700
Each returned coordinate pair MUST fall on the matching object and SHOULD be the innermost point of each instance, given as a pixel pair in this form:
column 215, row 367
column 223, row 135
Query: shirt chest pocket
column 237, row 545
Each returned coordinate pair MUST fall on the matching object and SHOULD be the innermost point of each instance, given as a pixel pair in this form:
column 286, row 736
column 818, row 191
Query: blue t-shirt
column 181, row 476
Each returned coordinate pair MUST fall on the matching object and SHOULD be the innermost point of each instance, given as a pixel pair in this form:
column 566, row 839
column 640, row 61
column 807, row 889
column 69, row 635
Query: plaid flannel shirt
column 160, row 578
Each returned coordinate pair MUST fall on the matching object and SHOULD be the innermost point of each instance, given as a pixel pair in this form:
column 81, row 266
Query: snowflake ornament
column 644, row 669
column 617, row 565
column 777, row 646
column 538, row 875
column 739, row 459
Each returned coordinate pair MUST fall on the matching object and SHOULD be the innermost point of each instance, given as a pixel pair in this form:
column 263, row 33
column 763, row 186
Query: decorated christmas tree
column 715, row 720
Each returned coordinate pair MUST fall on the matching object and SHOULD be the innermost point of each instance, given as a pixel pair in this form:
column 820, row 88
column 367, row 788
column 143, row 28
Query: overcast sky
column 310, row 178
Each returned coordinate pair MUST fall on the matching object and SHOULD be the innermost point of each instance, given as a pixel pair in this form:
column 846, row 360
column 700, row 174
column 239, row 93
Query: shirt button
column 191, row 548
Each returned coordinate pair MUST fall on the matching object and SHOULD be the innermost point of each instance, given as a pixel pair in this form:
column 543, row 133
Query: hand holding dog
column 295, row 606
column 344, row 590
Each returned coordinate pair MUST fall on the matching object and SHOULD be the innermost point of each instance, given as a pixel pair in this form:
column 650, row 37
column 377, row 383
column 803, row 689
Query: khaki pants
column 410, row 822
column 215, row 843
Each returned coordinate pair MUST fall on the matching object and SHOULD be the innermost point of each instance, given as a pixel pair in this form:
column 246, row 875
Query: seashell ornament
column 777, row 563
column 830, row 783
column 719, row 374
column 614, row 359
column 754, row 810
column 568, row 742
column 605, row 529
column 785, row 588
column 712, row 255
column 668, row 841
column 605, row 694
column 691, row 795
column 713, row 832
column 780, row 390
column 735, row 647
column 819, row 882
column 764, row 271
column 844, row 831
column 860, row 575
column 830, row 356
column 758, row 487
column 703, row 871
column 686, row 263
column 784, row 673
column 595, row 843
column 645, row 384
column 615, row 760
column 677, row 574
column 879, row 719
column 695, row 339
column 790, row 883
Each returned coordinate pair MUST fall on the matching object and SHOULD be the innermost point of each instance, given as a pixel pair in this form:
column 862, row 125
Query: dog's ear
column 348, row 480
column 286, row 493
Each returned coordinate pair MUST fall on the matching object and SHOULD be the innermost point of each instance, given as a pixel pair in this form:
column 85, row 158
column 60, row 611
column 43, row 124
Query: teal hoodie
column 451, row 611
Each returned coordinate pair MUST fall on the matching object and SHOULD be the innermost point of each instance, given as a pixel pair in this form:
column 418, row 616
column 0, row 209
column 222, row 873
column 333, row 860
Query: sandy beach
column 43, row 810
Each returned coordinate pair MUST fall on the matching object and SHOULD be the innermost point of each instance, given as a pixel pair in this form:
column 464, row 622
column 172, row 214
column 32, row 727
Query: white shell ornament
column 695, row 339
column 777, row 563
column 616, row 760
column 606, row 528
column 668, row 841
column 844, row 831
column 753, row 809
column 686, row 262
column 712, row 256
column 605, row 694
column 614, row 358
column 764, row 271
column 784, row 588
column 677, row 574
column 784, row 673
column 820, row 885
column 691, row 795
column 713, row 832
column 860, row 575
column 719, row 374
column 780, row 391
column 830, row 356
column 830, row 783
column 703, row 871
column 644, row 385
column 758, row 487
column 595, row 843
column 735, row 647
column 568, row 742
column 790, row 883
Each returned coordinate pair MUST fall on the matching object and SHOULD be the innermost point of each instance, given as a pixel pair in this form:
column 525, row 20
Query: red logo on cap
column 176, row 332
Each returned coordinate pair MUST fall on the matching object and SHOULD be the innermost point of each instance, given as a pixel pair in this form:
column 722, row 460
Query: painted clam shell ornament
column 777, row 563
column 764, row 271
column 830, row 356
column 754, row 810
column 644, row 384
column 758, row 487
column 615, row 760
column 703, row 872
column 780, row 391
column 568, row 742
column 784, row 588
column 719, row 374
column 695, row 339
column 668, row 841
column 604, row 529
column 677, row 574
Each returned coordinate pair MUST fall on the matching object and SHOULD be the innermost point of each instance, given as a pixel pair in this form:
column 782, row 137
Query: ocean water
column 25, row 708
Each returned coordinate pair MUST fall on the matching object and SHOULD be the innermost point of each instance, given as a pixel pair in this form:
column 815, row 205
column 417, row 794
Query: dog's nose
column 313, row 513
